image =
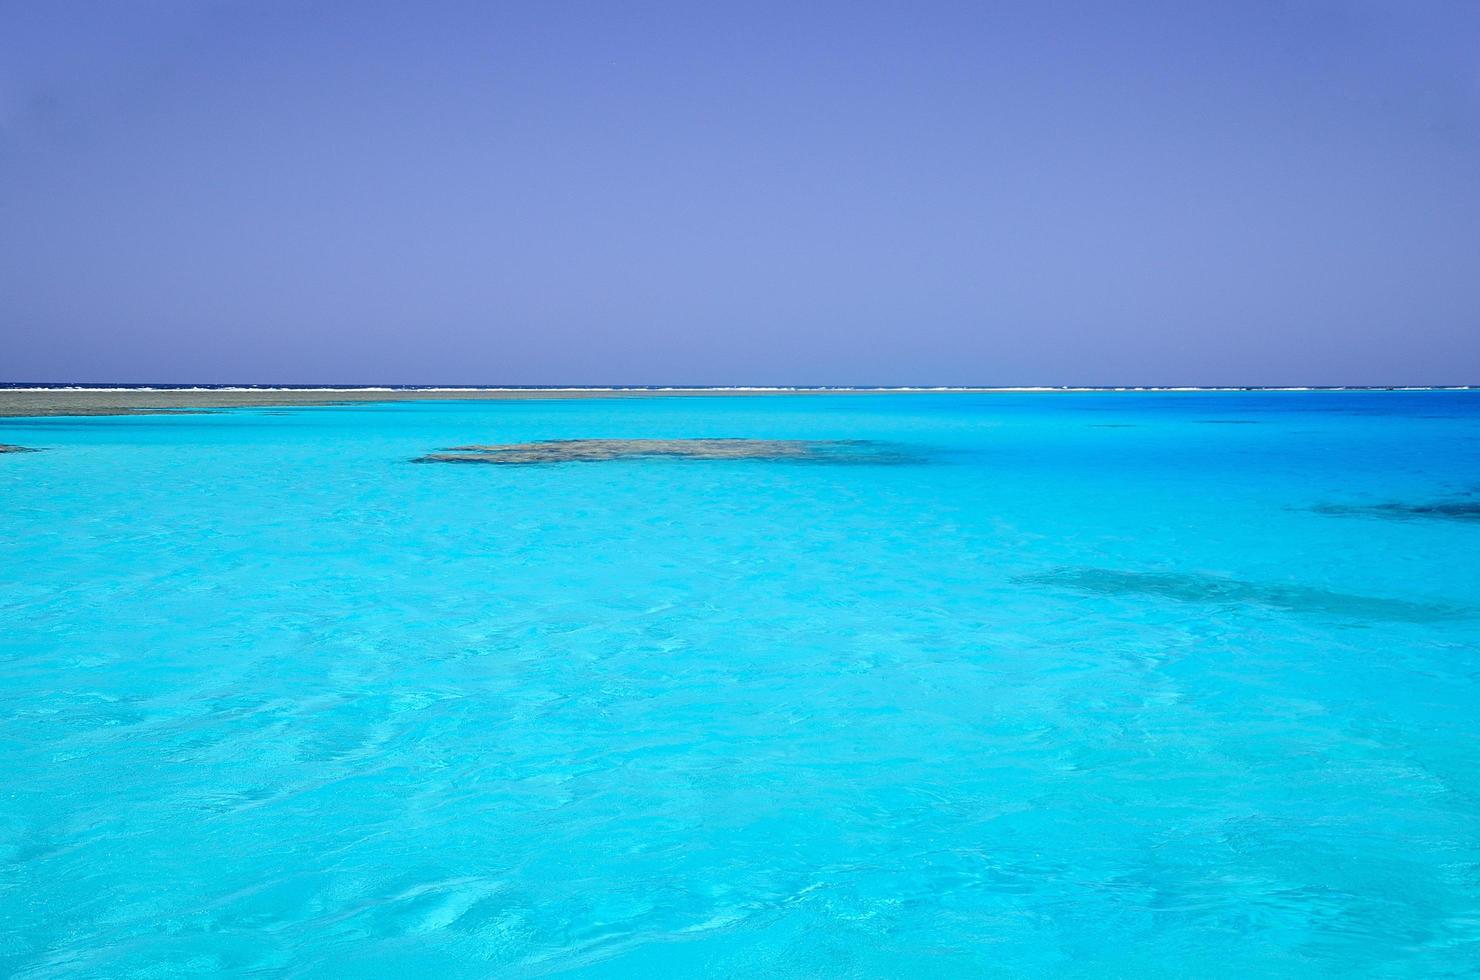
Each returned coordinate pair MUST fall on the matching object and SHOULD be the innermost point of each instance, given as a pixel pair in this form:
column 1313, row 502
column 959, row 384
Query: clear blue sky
column 711, row 193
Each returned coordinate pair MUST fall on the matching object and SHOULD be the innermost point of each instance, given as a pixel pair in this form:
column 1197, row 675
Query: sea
column 1135, row 683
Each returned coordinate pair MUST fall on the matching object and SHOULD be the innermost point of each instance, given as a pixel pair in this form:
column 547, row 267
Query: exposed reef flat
column 42, row 402
column 605, row 450
column 15, row 449
column 1444, row 510
column 1212, row 589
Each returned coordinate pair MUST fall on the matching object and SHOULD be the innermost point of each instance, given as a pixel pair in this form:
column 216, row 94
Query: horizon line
column 311, row 386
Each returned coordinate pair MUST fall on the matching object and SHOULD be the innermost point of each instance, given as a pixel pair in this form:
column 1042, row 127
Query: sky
column 913, row 193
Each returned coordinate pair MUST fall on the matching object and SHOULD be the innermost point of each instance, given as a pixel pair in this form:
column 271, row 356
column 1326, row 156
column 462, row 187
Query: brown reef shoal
column 604, row 450
column 49, row 402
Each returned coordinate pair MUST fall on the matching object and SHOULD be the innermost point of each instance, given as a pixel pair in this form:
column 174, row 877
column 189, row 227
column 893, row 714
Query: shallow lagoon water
column 1080, row 684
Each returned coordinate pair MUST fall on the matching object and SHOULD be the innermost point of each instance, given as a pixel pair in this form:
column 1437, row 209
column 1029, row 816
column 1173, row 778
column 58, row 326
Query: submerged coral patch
column 605, row 450
column 1213, row 589
column 1444, row 510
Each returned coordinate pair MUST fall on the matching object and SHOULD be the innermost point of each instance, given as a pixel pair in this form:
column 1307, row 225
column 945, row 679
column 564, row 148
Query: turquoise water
column 1079, row 684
